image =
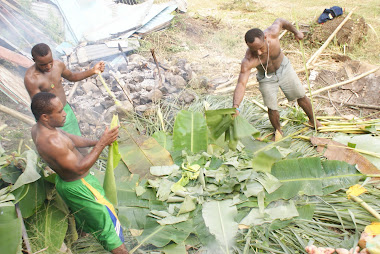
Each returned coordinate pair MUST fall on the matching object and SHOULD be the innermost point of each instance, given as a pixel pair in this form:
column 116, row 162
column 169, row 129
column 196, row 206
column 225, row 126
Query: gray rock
column 85, row 128
column 177, row 81
column 181, row 63
column 124, row 108
column 145, row 97
column 89, row 86
column 107, row 103
column 121, row 96
column 123, row 68
column 156, row 95
column 88, row 115
column 99, row 109
column 170, row 88
column 141, row 108
column 138, row 79
column 108, row 114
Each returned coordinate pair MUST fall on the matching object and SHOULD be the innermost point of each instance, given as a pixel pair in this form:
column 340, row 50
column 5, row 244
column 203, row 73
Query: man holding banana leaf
column 46, row 76
column 273, row 71
column 80, row 190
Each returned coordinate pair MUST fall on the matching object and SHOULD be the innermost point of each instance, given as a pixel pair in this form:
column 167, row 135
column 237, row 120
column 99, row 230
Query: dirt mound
column 350, row 34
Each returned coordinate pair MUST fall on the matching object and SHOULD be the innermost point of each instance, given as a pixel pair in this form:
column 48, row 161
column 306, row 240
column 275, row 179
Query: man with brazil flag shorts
column 46, row 76
column 80, row 190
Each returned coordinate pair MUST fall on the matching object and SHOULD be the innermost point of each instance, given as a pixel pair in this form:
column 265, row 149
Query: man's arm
column 80, row 141
column 245, row 71
column 77, row 76
column 30, row 86
column 280, row 24
column 68, row 160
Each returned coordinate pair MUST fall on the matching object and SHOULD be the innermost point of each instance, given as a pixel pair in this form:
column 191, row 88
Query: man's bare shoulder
column 50, row 142
column 249, row 61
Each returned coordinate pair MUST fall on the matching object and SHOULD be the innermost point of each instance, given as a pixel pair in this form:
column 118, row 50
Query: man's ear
column 44, row 117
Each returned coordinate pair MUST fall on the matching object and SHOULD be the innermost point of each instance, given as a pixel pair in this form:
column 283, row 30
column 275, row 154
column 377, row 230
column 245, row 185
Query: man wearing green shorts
column 46, row 76
column 80, row 190
column 273, row 71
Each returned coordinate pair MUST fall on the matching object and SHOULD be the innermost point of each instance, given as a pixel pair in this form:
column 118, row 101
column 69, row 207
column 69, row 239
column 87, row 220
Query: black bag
column 329, row 14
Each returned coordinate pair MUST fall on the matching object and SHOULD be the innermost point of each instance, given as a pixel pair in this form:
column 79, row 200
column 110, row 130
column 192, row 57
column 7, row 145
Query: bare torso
column 252, row 59
column 37, row 81
column 43, row 138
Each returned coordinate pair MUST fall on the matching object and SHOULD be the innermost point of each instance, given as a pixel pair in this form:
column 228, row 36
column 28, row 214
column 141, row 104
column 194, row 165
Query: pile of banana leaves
column 207, row 186
column 211, row 186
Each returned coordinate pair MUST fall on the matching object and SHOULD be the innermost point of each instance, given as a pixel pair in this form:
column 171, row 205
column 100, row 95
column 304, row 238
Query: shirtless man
column 80, row 190
column 273, row 70
column 46, row 76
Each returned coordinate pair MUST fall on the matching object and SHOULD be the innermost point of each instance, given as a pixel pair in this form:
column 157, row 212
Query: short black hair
column 40, row 49
column 250, row 35
column 41, row 104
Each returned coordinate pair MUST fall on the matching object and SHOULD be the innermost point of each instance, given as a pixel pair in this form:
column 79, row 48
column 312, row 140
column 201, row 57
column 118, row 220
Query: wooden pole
column 72, row 91
column 18, row 115
column 319, row 51
column 158, row 67
column 351, row 104
column 344, row 82
column 23, row 229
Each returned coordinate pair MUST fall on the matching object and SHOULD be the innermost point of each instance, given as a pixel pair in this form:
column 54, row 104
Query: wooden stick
column 366, row 206
column 122, row 88
column 344, row 82
column 319, row 51
column 259, row 104
column 72, row 91
column 18, row 115
column 158, row 67
column 351, row 104
column 23, row 229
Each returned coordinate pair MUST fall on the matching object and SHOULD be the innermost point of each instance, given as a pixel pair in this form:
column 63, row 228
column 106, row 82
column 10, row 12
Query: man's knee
column 120, row 250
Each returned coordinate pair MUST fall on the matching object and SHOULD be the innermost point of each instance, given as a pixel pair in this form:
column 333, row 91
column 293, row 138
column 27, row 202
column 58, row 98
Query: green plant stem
column 308, row 82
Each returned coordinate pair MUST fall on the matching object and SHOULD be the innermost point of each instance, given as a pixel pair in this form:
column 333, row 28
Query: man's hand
column 299, row 35
column 109, row 136
column 99, row 67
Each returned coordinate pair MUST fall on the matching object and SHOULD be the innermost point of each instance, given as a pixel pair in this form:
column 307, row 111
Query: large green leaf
column 264, row 160
column 164, row 139
column 219, row 218
column 10, row 173
column 30, row 173
column 114, row 156
column 10, row 229
column 311, row 176
column 190, row 132
column 218, row 121
column 276, row 210
column 32, row 196
column 242, row 128
column 47, row 227
column 160, row 236
column 140, row 152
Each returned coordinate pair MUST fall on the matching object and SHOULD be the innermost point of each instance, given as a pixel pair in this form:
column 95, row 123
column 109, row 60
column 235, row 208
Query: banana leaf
column 175, row 249
column 190, row 132
column 242, row 128
column 31, row 172
column 10, row 173
column 140, row 152
column 218, row 121
column 10, row 229
column 114, row 156
column 47, row 227
column 311, row 176
column 31, row 197
column 164, row 139
column 219, row 218
column 264, row 160
column 160, row 236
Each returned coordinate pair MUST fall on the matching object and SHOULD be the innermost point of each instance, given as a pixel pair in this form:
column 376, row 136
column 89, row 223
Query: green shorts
column 71, row 125
column 284, row 77
column 93, row 212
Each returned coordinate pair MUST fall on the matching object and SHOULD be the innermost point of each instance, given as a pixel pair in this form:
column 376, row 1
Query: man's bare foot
column 315, row 250
column 277, row 135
